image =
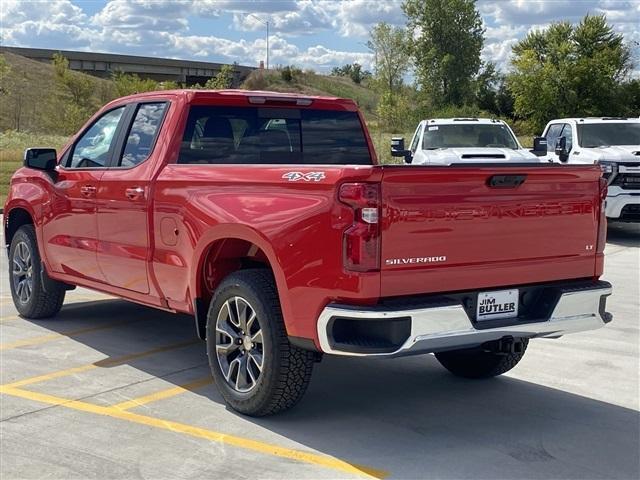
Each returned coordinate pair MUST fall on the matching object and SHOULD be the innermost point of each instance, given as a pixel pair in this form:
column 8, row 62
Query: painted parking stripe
column 244, row 443
column 70, row 300
column 161, row 395
column 107, row 362
column 57, row 336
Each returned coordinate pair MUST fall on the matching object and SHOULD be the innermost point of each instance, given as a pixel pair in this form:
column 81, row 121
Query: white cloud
column 165, row 27
column 143, row 14
column 15, row 12
column 305, row 19
column 358, row 17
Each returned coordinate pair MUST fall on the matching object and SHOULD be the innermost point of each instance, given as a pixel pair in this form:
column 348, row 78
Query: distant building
column 161, row 69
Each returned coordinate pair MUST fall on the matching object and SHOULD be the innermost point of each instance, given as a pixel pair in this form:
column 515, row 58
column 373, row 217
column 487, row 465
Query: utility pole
column 264, row 22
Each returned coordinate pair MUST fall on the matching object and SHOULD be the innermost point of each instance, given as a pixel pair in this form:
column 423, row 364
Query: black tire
column 32, row 299
column 477, row 363
column 286, row 370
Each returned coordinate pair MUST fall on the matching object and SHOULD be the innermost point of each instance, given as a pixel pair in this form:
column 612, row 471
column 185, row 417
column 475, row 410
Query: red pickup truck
column 268, row 218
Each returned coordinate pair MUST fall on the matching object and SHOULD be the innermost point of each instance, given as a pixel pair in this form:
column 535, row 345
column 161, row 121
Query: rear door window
column 249, row 135
column 143, row 133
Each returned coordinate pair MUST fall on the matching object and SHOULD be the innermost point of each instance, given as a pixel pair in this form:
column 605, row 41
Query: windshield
column 465, row 135
column 593, row 135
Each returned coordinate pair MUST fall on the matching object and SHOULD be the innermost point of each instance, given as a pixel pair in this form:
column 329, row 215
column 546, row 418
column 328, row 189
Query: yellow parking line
column 70, row 300
column 161, row 395
column 244, row 443
column 108, row 362
column 57, row 336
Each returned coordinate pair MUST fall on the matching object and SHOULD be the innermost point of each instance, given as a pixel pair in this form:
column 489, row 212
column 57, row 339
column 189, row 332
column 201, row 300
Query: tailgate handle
column 506, row 181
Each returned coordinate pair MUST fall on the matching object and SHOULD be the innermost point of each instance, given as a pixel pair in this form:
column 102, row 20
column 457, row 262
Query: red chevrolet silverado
column 268, row 218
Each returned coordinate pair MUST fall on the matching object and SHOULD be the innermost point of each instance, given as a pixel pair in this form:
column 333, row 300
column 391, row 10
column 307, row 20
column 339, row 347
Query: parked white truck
column 447, row 141
column 612, row 142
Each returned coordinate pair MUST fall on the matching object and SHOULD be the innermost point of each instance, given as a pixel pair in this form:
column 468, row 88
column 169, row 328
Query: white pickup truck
column 612, row 142
column 447, row 141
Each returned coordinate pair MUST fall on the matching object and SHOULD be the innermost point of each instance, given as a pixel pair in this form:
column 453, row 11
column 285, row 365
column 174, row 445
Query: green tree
column 492, row 94
column 78, row 87
column 389, row 45
column 223, row 79
column 568, row 70
column 73, row 98
column 352, row 70
column 446, row 39
column 286, row 74
column 5, row 69
column 128, row 84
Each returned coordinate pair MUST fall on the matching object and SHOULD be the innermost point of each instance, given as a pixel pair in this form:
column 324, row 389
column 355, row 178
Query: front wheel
column 31, row 297
column 479, row 363
column 255, row 368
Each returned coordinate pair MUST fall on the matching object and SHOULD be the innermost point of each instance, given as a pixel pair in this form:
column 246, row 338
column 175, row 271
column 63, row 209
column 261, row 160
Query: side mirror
column 398, row 150
column 41, row 158
column 539, row 146
column 561, row 149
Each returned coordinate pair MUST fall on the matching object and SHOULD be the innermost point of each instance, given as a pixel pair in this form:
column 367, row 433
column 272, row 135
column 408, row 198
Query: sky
column 317, row 34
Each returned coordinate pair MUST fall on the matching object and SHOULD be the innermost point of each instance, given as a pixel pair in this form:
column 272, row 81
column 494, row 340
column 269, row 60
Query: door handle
column 134, row 193
column 88, row 190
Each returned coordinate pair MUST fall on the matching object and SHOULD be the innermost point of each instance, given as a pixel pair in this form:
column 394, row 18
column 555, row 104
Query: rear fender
column 239, row 232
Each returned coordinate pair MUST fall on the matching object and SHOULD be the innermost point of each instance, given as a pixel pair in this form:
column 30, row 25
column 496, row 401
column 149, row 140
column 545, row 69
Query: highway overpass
column 104, row 65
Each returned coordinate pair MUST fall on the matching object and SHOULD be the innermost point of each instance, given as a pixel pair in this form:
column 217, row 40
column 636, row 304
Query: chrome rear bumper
column 438, row 328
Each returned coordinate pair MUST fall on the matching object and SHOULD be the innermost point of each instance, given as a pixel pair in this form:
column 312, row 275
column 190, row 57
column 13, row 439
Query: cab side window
column 552, row 136
column 568, row 134
column 416, row 139
column 142, row 134
column 93, row 149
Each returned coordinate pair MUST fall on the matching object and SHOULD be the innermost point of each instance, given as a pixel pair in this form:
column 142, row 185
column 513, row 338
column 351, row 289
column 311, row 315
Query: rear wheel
column 479, row 363
column 255, row 368
column 31, row 297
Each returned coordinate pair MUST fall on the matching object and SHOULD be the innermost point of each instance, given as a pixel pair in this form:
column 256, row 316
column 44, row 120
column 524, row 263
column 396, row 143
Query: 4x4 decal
column 307, row 177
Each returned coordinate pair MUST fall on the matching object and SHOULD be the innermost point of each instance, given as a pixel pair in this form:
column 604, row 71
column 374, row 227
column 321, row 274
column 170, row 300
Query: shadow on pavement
column 623, row 234
column 407, row 416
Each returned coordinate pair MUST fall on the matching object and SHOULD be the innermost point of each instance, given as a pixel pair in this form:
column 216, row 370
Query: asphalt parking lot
column 110, row 389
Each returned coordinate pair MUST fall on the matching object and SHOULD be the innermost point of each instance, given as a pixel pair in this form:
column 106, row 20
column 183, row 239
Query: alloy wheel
column 239, row 344
column 22, row 272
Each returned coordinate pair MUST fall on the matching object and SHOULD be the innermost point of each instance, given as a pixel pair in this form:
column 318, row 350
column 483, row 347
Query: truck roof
column 582, row 120
column 463, row 121
column 247, row 96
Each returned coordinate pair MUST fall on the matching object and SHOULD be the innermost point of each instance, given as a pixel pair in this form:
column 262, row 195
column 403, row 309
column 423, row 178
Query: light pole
column 264, row 22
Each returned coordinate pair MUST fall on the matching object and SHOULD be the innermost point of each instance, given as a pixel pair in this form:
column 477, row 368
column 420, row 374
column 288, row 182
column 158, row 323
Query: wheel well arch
column 220, row 258
column 225, row 256
column 16, row 218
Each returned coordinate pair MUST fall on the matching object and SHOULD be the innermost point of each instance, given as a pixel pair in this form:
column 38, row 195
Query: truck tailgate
column 458, row 228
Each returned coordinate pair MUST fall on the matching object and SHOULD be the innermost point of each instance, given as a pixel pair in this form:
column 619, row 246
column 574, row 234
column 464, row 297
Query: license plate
column 500, row 304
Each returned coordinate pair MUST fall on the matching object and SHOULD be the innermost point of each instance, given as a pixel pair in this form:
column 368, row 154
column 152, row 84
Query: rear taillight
column 361, row 240
column 602, row 224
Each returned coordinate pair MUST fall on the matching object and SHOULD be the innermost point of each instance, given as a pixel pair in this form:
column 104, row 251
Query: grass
column 313, row 84
column 12, row 147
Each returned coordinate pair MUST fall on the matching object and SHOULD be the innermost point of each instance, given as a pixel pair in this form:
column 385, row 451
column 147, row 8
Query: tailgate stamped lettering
column 495, row 211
